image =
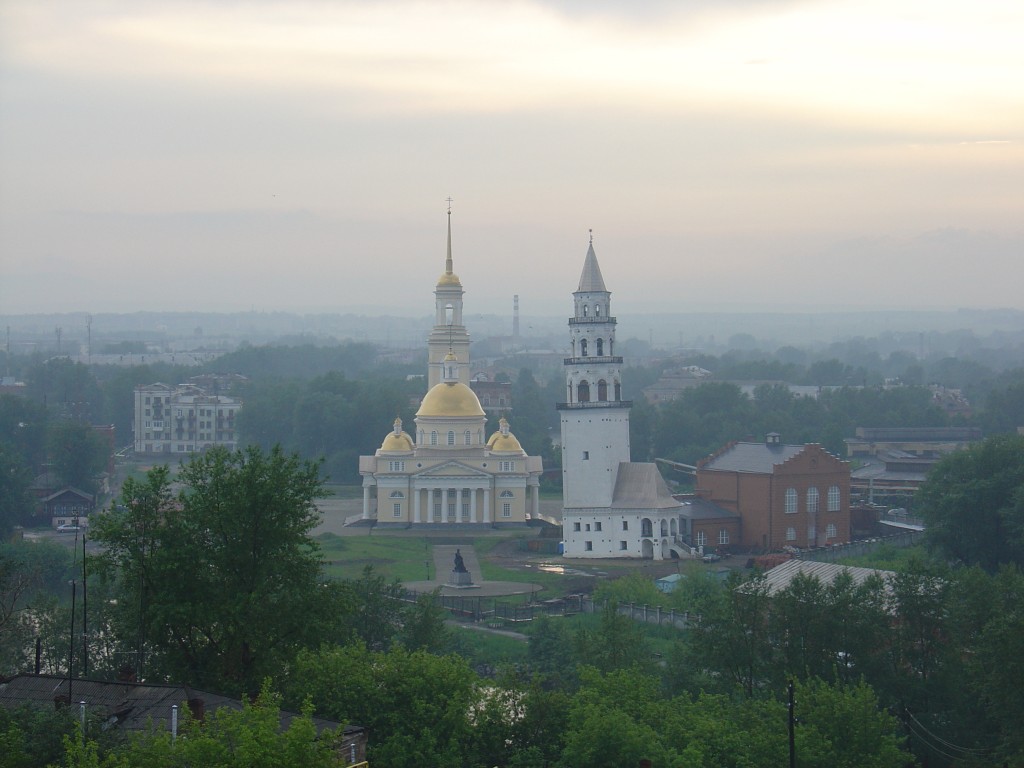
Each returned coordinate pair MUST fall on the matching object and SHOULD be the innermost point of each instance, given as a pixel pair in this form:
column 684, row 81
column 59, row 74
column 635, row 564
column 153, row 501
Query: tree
column 973, row 503
column 78, row 453
column 223, row 581
column 15, row 500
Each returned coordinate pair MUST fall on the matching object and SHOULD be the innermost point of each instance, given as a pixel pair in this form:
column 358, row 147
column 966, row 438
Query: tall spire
column 591, row 280
column 448, row 268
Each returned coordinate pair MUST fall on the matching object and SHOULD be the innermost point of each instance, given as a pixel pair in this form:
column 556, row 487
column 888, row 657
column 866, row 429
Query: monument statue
column 460, row 564
column 459, row 576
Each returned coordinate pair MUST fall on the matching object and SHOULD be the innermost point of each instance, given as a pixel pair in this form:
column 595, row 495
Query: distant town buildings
column 183, row 419
column 451, row 472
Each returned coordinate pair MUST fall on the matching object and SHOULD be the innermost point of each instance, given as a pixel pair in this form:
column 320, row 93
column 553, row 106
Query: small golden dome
column 500, row 443
column 504, row 441
column 449, row 278
column 450, row 398
column 399, row 442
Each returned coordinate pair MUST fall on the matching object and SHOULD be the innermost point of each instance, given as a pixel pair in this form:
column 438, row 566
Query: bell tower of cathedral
column 449, row 333
column 594, row 417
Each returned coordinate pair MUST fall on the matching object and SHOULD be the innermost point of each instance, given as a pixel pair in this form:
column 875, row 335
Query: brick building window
column 812, row 501
column 791, row 501
column 791, row 534
column 833, row 498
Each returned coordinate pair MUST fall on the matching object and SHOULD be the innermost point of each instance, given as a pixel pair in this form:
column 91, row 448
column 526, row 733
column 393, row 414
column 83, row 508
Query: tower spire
column 448, row 267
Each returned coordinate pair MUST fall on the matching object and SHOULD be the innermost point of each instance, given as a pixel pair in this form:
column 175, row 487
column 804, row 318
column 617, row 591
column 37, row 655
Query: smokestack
column 515, row 317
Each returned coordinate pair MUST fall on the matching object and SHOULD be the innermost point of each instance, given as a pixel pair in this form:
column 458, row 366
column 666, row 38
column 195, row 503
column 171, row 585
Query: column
column 416, row 492
column 366, row 502
column 472, row 505
column 487, row 505
column 535, row 496
column 445, row 501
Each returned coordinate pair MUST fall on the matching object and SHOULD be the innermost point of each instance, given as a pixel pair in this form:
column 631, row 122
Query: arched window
column 646, row 528
column 583, row 347
column 791, row 501
column 506, row 495
column 583, row 392
column 618, row 391
column 600, row 347
column 833, row 498
column 597, row 310
column 397, row 495
column 812, row 501
column 451, row 437
column 468, row 437
column 664, row 527
column 585, row 311
column 433, row 437
column 602, row 390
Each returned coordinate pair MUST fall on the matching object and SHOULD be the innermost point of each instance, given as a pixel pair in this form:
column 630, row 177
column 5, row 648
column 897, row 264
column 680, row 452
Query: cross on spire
column 591, row 231
column 449, row 201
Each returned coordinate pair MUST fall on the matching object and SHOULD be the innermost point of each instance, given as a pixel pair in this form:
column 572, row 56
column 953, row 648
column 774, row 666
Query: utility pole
column 792, row 729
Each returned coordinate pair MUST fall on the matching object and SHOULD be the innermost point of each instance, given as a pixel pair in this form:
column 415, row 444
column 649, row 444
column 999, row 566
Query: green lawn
column 394, row 557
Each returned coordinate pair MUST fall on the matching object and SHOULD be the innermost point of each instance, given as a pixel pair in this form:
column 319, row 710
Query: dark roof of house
column 696, row 508
column 69, row 489
column 914, row 434
column 639, row 485
column 759, row 458
column 131, row 705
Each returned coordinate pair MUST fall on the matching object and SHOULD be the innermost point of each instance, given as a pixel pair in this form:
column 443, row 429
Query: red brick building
column 785, row 495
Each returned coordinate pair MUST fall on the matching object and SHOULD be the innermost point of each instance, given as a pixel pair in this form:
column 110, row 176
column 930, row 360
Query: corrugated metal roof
column 781, row 576
column 639, row 485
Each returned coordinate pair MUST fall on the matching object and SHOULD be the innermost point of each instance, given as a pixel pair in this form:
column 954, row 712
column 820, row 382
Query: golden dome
column 400, row 442
column 450, row 398
column 449, row 278
column 504, row 443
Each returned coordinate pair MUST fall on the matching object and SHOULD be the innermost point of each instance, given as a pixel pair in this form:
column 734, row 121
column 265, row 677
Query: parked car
column 68, row 527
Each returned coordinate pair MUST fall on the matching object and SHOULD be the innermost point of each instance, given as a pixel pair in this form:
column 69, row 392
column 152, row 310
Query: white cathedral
column 451, row 473
column 612, row 507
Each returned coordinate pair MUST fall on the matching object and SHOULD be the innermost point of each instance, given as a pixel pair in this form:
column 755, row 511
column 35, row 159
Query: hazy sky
column 297, row 155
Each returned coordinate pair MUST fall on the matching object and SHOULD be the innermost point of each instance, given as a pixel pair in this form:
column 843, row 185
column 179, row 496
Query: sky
column 735, row 155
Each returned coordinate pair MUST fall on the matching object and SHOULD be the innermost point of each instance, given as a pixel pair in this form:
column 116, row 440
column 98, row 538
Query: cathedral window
column 600, row 347
column 433, row 437
column 597, row 310
column 397, row 509
column 506, row 495
column 468, row 437
column 451, row 437
column 397, row 495
column 618, row 391
column 506, row 510
column 583, row 392
column 585, row 310
column 583, row 347
column 602, row 390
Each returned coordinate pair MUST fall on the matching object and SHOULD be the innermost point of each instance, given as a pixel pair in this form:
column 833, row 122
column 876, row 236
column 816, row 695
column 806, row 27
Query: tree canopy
column 221, row 579
column 973, row 503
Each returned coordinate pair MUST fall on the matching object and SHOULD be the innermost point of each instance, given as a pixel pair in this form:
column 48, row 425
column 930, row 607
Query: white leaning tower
column 611, row 507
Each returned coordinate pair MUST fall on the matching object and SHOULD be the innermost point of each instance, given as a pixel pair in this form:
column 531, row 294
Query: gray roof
column 591, row 280
column 696, row 508
column 132, row 705
column 752, row 457
column 781, row 576
column 639, row 485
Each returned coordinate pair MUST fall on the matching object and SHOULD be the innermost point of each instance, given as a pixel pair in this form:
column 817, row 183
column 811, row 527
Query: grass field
column 394, row 557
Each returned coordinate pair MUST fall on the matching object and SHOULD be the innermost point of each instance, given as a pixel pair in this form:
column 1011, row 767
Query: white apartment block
column 182, row 419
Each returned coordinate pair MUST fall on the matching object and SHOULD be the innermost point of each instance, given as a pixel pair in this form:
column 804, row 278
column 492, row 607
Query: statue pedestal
column 460, row 579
